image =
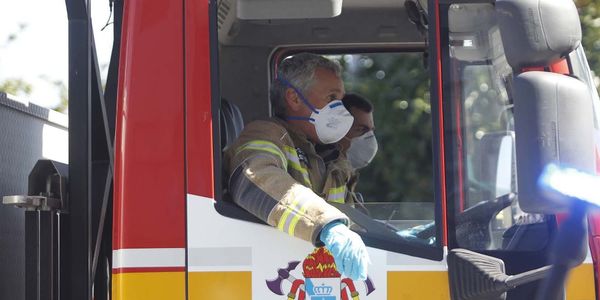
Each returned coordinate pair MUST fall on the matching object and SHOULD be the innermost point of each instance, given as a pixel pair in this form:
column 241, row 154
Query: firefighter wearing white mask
column 359, row 146
column 276, row 174
column 359, row 143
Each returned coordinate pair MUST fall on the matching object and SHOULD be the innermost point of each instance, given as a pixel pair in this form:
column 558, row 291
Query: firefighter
column 276, row 174
column 357, row 149
column 360, row 144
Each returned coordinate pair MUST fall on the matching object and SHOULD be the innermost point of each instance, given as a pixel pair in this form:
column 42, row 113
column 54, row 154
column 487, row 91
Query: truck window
column 396, row 188
column 581, row 70
column 484, row 200
column 395, row 206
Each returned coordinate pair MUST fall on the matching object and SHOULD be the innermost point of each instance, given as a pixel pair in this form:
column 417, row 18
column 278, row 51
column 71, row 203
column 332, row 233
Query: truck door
column 232, row 255
column 483, row 204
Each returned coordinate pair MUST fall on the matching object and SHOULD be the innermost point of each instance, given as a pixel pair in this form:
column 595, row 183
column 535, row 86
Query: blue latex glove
column 348, row 250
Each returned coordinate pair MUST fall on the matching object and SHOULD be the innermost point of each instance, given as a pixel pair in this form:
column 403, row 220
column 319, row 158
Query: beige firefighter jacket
column 275, row 174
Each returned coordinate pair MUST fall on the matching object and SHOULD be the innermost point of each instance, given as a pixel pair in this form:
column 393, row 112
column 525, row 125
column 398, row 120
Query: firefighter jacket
column 276, row 175
column 336, row 160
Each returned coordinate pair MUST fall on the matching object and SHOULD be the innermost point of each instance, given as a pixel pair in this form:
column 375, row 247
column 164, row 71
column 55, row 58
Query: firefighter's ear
column 293, row 99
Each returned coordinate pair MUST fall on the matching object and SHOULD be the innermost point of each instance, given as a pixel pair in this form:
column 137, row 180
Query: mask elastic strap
column 336, row 104
column 289, row 84
column 301, row 118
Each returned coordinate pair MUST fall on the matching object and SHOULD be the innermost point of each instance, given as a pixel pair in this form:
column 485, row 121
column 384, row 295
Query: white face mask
column 362, row 150
column 332, row 122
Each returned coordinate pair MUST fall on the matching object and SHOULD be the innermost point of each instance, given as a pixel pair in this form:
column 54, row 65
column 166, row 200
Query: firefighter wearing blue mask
column 276, row 174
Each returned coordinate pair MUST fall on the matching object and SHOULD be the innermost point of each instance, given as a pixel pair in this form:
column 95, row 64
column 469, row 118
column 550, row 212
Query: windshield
column 484, row 198
column 394, row 192
column 582, row 71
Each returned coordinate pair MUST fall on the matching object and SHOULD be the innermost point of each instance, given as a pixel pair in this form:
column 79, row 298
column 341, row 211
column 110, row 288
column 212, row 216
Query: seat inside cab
column 383, row 56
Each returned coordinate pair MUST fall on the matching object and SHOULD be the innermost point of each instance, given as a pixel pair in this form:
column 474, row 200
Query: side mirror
column 553, row 112
column 553, row 124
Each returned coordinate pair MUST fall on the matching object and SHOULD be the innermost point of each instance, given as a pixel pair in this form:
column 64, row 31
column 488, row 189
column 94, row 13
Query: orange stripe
column 220, row 285
column 417, row 285
column 580, row 284
column 149, row 286
column 409, row 284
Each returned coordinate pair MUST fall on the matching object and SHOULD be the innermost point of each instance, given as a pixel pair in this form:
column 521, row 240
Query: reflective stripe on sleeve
column 266, row 146
column 292, row 214
column 296, row 218
column 294, row 162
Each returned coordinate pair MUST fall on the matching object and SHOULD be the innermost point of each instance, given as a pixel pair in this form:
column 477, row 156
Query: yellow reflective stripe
column 294, row 162
column 291, row 216
column 267, row 150
column 286, row 214
column 302, row 171
column 266, row 146
column 337, row 200
column 296, row 218
column 337, row 190
column 337, row 194
column 293, row 154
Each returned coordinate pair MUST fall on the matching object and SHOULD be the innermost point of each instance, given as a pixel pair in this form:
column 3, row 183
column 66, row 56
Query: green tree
column 18, row 86
column 63, row 105
column 589, row 12
column 15, row 86
column 398, row 86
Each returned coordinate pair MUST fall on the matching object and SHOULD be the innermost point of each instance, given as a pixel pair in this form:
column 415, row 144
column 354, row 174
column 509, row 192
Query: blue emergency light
column 572, row 183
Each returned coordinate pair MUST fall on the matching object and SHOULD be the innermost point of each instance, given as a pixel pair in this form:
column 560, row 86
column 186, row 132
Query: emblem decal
column 321, row 280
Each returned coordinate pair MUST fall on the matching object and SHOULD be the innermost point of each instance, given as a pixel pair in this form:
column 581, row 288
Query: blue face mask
column 332, row 122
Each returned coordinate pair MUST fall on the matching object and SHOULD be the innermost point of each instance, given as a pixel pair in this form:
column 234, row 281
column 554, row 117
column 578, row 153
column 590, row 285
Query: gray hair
column 299, row 70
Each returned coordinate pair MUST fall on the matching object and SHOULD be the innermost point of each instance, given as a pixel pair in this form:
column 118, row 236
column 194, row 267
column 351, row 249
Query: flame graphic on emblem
column 320, row 264
column 323, row 267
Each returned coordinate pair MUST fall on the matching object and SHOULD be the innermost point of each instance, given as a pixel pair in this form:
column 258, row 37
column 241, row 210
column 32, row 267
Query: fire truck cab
column 148, row 215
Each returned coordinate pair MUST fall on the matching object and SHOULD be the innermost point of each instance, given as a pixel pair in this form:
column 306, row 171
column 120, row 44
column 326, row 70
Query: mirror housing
column 553, row 124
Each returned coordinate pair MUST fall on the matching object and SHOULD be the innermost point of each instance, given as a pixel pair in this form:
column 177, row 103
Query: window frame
column 455, row 179
column 380, row 240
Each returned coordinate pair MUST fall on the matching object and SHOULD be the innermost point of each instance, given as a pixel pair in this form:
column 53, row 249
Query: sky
column 39, row 54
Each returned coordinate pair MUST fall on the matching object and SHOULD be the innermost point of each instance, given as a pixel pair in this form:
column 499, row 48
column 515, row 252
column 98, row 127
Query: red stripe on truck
column 149, row 195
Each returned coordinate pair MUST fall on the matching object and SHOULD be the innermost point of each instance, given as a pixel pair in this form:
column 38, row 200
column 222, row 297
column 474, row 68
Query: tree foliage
column 15, row 86
column 19, row 86
column 589, row 12
column 63, row 105
column 398, row 86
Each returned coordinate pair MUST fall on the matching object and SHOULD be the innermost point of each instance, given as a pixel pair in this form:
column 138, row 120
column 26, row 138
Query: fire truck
column 141, row 211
